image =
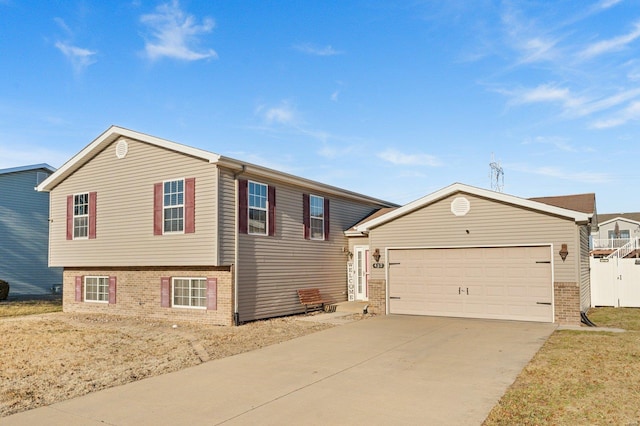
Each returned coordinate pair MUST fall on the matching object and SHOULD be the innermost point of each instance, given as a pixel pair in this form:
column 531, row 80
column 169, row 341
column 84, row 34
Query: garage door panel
column 502, row 283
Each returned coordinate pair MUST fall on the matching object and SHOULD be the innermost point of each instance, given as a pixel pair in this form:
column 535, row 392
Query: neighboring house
column 145, row 226
column 469, row 252
column 615, row 231
column 24, row 232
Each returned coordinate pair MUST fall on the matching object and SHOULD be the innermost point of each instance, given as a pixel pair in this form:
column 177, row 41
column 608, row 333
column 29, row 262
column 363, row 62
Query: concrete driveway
column 381, row 371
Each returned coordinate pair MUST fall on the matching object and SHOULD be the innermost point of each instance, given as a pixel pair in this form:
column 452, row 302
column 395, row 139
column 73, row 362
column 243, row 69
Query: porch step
column 352, row 307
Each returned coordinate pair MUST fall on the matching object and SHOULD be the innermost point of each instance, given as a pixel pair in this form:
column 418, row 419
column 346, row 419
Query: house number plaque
column 378, row 265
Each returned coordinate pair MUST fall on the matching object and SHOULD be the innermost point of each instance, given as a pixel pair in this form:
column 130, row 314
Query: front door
column 361, row 266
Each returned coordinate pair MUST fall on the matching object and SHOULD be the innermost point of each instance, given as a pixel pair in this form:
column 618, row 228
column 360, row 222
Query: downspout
column 236, row 254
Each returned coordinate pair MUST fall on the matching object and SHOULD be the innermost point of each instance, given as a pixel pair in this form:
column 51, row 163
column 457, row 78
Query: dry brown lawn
column 52, row 357
column 580, row 377
column 577, row 378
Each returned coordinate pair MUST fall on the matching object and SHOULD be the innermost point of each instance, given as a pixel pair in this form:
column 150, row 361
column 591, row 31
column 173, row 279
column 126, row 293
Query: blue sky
column 390, row 99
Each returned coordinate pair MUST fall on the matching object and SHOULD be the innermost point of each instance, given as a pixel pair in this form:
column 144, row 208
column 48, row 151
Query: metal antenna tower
column 497, row 175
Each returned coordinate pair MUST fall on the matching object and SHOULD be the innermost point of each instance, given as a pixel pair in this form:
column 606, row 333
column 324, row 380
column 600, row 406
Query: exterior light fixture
column 376, row 255
column 563, row 252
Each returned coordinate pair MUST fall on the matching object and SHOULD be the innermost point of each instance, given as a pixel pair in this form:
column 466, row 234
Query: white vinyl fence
column 615, row 282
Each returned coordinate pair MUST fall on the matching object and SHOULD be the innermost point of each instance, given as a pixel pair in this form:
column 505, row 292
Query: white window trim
column 84, row 289
column 82, row 215
column 164, row 208
column 173, row 305
column 312, row 217
column 265, row 209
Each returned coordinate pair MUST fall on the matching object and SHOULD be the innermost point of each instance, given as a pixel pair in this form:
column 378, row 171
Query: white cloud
column 174, row 34
column 611, row 45
column 554, row 172
column 311, row 49
column 334, row 96
column 607, row 103
column 545, row 93
column 630, row 113
column 63, row 25
column 558, row 142
column 284, row 113
column 537, row 49
column 79, row 57
column 606, row 4
column 398, row 158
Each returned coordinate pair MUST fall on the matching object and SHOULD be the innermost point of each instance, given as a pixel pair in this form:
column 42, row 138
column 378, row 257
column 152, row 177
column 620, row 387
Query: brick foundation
column 138, row 293
column 567, row 303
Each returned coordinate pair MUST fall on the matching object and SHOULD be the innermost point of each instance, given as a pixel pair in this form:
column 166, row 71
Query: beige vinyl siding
column 585, row 273
column 271, row 269
column 125, row 195
column 227, row 218
column 489, row 223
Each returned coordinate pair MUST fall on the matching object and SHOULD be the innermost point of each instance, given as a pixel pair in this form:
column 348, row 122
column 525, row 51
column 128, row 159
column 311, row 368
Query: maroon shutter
column 212, row 294
column 112, row 290
column 93, row 198
column 326, row 219
column 243, row 207
column 306, row 216
column 165, row 292
column 69, row 217
column 157, row 209
column 190, row 205
column 272, row 209
column 79, row 288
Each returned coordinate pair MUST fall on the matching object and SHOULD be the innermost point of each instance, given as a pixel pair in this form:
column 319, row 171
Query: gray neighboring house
column 24, row 231
column 616, row 231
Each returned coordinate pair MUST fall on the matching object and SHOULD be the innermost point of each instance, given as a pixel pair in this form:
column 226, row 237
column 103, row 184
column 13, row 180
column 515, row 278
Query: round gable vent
column 460, row 206
column 122, row 148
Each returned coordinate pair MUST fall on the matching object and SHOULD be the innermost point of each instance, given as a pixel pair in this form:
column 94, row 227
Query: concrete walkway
column 397, row 370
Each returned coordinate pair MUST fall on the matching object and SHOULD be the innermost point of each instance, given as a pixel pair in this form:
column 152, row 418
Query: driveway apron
column 385, row 370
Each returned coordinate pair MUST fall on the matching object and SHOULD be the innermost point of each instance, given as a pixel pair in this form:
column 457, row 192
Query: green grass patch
column 579, row 377
column 29, row 307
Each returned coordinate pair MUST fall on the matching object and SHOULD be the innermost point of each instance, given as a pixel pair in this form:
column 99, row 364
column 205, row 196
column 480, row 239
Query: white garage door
column 498, row 282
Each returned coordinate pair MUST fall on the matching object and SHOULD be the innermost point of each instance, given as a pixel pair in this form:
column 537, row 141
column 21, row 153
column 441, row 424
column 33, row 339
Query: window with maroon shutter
column 306, row 218
column 97, row 289
column 81, row 216
column 174, row 205
column 326, row 219
column 212, row 293
column 69, row 217
column 112, row 290
column 190, row 205
column 243, row 206
column 79, row 290
column 272, row 210
column 93, row 203
column 157, row 209
column 315, row 217
column 165, row 292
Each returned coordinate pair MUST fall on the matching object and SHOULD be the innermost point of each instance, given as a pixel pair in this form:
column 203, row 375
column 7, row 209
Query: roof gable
column 619, row 218
column 114, row 133
column 605, row 218
column 577, row 216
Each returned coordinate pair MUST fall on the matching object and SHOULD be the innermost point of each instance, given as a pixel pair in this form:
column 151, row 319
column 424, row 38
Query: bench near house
column 145, row 226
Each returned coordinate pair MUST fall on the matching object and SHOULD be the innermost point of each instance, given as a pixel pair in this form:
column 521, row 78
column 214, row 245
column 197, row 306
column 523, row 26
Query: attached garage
column 513, row 283
column 468, row 252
